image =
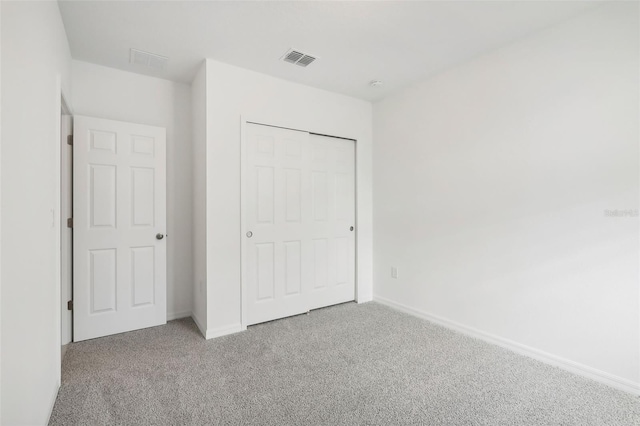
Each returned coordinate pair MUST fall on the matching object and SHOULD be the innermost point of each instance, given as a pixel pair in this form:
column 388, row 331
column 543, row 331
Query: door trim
column 244, row 121
column 61, row 100
column 66, row 257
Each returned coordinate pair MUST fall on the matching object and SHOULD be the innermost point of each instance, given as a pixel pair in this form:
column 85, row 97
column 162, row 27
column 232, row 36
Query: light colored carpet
column 345, row 365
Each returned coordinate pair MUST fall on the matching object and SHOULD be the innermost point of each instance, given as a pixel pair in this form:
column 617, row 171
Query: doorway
column 66, row 232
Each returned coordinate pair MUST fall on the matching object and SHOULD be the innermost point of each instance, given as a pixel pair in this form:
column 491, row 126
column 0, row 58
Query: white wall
column 490, row 185
column 232, row 92
column 118, row 95
column 35, row 57
column 199, row 176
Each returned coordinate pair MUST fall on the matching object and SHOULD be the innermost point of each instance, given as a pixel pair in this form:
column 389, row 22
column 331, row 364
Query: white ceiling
column 398, row 42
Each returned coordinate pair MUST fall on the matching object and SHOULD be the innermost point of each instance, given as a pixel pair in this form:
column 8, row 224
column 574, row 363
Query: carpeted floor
column 345, row 365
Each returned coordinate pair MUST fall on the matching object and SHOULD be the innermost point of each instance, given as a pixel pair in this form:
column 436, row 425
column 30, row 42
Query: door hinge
column 70, row 305
column 70, row 222
column 70, row 140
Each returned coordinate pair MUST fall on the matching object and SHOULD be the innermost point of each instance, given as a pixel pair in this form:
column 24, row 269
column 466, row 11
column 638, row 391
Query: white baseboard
column 177, row 315
column 364, row 299
column 199, row 324
column 223, row 331
column 557, row 361
column 217, row 332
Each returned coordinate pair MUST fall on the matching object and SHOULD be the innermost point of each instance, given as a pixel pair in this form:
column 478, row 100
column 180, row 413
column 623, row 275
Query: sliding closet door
column 332, row 221
column 299, row 213
column 277, row 238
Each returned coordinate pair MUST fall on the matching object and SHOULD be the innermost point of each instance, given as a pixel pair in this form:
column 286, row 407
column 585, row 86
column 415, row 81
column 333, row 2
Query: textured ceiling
column 398, row 42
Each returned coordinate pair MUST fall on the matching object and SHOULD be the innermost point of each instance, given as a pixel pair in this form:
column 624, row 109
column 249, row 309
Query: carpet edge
column 566, row 364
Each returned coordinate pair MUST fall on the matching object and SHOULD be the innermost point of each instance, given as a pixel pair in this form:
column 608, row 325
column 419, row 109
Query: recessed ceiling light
column 375, row 83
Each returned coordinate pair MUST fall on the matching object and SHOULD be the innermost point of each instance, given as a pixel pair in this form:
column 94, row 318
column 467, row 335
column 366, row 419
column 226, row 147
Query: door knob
column 249, row 234
column 159, row 236
column 351, row 228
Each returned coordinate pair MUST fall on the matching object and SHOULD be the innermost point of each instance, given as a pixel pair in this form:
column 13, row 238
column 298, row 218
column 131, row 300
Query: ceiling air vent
column 299, row 58
column 146, row 59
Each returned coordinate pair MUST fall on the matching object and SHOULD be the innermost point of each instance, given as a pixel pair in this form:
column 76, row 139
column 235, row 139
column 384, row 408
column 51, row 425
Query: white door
column 332, row 221
column 299, row 214
column 119, row 214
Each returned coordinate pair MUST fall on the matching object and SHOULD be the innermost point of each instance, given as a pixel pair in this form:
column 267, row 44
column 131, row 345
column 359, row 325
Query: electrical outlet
column 394, row 272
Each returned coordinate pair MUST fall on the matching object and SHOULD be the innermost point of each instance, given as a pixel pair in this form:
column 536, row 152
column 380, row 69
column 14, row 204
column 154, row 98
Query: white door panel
column 274, row 211
column 298, row 205
column 119, row 207
column 333, row 171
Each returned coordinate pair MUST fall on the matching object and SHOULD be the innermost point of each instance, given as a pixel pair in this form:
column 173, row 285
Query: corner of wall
column 199, row 232
column 212, row 333
column 199, row 322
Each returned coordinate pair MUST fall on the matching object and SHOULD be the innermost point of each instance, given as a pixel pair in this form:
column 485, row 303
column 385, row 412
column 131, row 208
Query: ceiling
column 398, row 42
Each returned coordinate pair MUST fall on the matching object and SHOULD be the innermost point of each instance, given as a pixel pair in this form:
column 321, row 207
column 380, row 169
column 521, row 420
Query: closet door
column 277, row 236
column 299, row 213
column 332, row 220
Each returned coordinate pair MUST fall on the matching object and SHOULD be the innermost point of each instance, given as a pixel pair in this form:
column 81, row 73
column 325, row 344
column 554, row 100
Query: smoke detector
column 146, row 59
column 375, row 83
column 299, row 58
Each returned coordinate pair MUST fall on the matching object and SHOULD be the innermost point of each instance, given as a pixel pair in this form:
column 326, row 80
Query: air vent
column 293, row 56
column 146, row 59
column 298, row 58
column 305, row 60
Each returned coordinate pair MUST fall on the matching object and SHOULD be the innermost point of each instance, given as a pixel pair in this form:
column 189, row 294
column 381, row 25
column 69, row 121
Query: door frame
column 61, row 101
column 244, row 121
column 66, row 257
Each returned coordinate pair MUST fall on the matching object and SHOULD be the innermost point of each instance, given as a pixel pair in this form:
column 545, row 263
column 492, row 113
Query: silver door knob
column 351, row 228
column 249, row 234
column 159, row 236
